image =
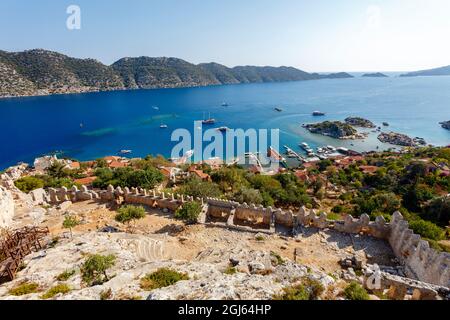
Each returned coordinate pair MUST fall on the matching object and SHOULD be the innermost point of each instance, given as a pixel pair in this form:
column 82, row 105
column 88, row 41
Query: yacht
column 163, row 126
column 223, row 129
column 225, row 104
column 125, row 151
column 318, row 113
column 209, row 120
column 278, row 109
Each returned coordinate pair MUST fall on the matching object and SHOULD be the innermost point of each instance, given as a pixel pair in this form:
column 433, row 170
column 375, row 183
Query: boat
column 274, row 156
column 225, row 104
column 385, row 124
column 81, row 125
column 223, row 129
column 278, row 109
column 209, row 120
column 163, row 126
column 318, row 113
column 125, row 151
column 155, row 108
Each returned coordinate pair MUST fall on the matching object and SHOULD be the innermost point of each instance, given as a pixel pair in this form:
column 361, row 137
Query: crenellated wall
column 421, row 262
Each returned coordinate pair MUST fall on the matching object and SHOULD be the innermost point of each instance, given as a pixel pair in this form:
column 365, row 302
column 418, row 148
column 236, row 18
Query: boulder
column 38, row 196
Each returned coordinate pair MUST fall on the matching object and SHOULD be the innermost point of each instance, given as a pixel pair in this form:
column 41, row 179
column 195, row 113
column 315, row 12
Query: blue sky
column 319, row 35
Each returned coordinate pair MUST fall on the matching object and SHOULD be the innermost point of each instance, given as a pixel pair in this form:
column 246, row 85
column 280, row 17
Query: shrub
column 24, row 288
column 277, row 257
column 93, row 271
column 427, row 229
column 65, row 275
column 60, row 288
column 189, row 212
column 27, row 184
column 129, row 213
column 106, row 294
column 230, row 270
column 248, row 195
column 161, row 278
column 354, row 291
column 308, row 289
column 70, row 222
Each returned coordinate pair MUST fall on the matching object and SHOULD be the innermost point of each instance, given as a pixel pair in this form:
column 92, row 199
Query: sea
column 92, row 125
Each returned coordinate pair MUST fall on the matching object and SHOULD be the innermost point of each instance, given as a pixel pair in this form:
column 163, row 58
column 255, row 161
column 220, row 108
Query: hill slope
column 42, row 72
column 443, row 71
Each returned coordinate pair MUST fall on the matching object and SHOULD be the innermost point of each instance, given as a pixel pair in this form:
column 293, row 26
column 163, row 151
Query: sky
column 319, row 35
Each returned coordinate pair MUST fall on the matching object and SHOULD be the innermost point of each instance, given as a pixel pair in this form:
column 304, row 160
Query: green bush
column 230, row 270
column 27, row 184
column 161, row 278
column 93, row 270
column 60, row 288
column 70, row 222
column 129, row 213
column 354, row 291
column 189, row 212
column 279, row 259
column 64, row 276
column 24, row 288
column 427, row 229
column 308, row 289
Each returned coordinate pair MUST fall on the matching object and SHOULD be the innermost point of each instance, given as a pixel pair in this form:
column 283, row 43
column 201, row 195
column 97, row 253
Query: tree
column 189, row 212
column 200, row 189
column 248, row 195
column 101, row 163
column 70, row 222
column 56, row 170
column 27, row 184
column 438, row 210
column 93, row 270
column 427, row 229
column 129, row 213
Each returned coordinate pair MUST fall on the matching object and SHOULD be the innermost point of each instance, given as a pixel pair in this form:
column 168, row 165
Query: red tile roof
column 86, row 181
column 117, row 164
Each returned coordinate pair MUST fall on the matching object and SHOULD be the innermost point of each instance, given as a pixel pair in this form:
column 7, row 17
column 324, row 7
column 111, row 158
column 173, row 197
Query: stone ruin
column 420, row 261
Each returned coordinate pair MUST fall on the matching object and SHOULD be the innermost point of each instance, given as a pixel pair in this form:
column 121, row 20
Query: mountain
column 42, row 72
column 375, row 75
column 443, row 71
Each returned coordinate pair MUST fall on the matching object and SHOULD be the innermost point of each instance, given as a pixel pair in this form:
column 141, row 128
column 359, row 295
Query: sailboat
column 163, row 126
column 209, row 120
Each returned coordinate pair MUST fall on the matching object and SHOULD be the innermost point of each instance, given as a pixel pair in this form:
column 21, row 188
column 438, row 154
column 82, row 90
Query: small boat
column 225, row 104
column 125, row 151
column 155, row 108
column 385, row 124
column 223, row 129
column 278, row 109
column 163, row 126
column 318, row 113
column 209, row 120
column 81, row 125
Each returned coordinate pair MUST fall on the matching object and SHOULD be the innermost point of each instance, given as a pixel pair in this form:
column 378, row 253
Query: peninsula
column 334, row 129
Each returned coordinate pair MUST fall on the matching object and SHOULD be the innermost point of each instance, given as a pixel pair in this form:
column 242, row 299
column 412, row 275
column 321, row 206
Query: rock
column 38, row 196
column 373, row 297
column 234, row 262
column 65, row 205
column 6, row 208
column 256, row 267
column 109, row 229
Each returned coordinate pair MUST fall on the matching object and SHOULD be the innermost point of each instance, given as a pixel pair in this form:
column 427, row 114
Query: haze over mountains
column 42, row 72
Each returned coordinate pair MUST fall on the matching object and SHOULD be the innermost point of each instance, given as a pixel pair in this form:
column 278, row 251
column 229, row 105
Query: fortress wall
column 421, row 262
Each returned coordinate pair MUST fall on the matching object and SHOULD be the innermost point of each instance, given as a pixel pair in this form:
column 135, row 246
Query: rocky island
column 400, row 139
column 360, row 122
column 445, row 124
column 334, row 129
column 374, row 75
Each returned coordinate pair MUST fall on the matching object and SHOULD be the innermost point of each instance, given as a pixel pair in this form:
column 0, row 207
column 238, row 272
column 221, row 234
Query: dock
column 292, row 154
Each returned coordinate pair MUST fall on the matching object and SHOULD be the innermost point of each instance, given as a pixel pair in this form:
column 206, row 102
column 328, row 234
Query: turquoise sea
column 118, row 120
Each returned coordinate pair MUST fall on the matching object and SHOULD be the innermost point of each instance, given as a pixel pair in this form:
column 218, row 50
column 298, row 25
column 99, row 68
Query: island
column 360, row 122
column 335, row 129
column 445, row 124
column 400, row 139
column 375, row 75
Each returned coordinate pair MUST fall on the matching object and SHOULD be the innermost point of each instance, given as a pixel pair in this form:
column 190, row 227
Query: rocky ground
column 202, row 252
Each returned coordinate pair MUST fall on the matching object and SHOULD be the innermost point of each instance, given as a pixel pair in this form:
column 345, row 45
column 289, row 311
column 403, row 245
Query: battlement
column 421, row 262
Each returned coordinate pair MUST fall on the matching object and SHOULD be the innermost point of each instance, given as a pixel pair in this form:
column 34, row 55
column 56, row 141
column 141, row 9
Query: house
column 73, row 165
column 86, row 181
column 117, row 164
column 193, row 171
column 368, row 169
column 170, row 173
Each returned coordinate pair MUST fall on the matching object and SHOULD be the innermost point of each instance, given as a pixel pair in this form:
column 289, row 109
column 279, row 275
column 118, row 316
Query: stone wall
column 6, row 208
column 421, row 262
